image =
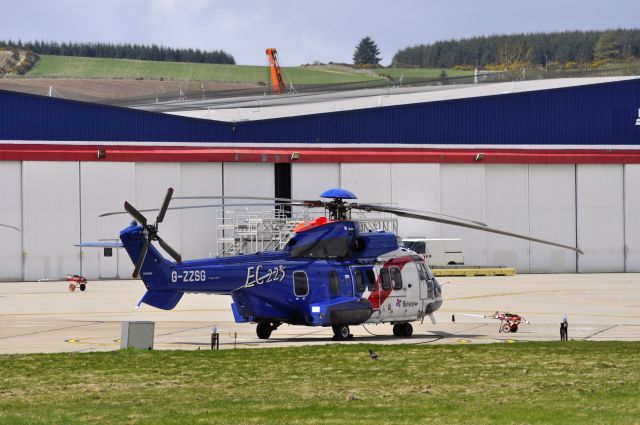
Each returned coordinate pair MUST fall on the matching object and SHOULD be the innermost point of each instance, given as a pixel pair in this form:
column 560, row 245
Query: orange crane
column 276, row 76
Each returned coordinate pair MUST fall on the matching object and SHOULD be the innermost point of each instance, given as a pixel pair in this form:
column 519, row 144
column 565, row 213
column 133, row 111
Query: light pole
column 546, row 62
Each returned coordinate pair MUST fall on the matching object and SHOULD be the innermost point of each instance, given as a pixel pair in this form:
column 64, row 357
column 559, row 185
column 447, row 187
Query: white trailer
column 437, row 252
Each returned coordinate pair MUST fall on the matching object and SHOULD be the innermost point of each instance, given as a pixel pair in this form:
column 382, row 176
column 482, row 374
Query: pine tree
column 607, row 47
column 366, row 52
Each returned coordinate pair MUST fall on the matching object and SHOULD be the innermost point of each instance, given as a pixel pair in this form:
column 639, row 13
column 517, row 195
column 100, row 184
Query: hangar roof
column 270, row 106
column 591, row 120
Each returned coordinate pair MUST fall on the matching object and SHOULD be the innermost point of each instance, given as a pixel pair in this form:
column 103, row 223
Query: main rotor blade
column 172, row 252
column 10, row 227
column 393, row 210
column 188, row 207
column 143, row 254
column 135, row 213
column 403, row 213
column 165, row 205
column 255, row 198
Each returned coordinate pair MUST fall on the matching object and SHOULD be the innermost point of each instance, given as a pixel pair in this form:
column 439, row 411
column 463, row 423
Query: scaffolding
column 242, row 231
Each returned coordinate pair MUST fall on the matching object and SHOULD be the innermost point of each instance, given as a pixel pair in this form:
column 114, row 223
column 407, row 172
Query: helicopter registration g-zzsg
column 329, row 274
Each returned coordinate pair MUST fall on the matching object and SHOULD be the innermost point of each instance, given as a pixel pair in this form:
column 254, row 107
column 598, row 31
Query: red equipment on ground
column 508, row 321
column 76, row 280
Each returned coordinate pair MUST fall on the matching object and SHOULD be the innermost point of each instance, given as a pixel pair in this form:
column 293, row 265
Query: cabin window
column 371, row 280
column 386, row 279
column 300, row 284
column 360, row 287
column 396, row 278
column 334, row 283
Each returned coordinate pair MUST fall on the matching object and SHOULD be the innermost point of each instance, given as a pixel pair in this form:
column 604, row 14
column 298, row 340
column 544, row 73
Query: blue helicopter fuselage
column 310, row 282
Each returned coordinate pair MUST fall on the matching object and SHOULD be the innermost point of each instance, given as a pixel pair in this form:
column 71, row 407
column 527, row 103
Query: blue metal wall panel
column 38, row 118
column 600, row 114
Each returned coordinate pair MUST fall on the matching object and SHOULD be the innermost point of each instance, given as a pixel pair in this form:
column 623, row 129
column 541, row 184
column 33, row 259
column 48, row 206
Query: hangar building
column 554, row 159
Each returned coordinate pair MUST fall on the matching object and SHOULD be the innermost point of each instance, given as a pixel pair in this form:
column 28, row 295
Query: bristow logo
column 638, row 120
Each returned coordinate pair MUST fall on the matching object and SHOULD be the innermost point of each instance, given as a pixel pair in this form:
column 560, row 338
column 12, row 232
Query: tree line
column 122, row 51
column 578, row 47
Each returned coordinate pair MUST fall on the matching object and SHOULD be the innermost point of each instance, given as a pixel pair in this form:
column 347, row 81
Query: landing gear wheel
column 83, row 287
column 505, row 328
column 72, row 287
column 514, row 328
column 341, row 332
column 263, row 330
column 407, row 330
column 402, row 330
column 397, row 330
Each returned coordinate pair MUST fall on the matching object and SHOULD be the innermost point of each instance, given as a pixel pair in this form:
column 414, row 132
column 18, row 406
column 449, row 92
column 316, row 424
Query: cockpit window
column 323, row 248
column 422, row 271
column 371, row 280
column 359, row 280
column 334, row 283
column 300, row 284
column 396, row 278
column 386, row 279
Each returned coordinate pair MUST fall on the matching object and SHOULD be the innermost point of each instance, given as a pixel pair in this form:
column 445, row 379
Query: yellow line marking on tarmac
column 470, row 272
column 87, row 341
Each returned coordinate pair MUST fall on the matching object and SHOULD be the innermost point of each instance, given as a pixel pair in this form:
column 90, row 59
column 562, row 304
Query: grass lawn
column 80, row 67
column 421, row 73
column 553, row 382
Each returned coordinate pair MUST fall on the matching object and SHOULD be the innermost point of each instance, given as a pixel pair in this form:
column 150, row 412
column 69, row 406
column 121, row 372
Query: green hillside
column 421, row 73
column 80, row 67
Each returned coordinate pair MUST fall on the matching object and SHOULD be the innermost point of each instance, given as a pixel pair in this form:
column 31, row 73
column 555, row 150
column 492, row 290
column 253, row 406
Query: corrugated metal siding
column 29, row 117
column 599, row 114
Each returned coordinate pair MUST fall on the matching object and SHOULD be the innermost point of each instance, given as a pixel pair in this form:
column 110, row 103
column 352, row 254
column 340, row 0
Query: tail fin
column 165, row 300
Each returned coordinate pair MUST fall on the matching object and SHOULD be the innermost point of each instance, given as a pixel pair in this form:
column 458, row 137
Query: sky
column 302, row 31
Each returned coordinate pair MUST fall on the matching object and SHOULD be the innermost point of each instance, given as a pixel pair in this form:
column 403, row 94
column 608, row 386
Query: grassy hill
column 79, row 67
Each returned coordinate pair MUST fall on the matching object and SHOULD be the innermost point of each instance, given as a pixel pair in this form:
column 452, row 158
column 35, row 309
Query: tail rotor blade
column 135, row 214
column 165, row 205
column 172, row 252
column 143, row 254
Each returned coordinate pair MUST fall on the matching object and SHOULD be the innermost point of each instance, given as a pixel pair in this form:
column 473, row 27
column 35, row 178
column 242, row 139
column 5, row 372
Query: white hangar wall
column 632, row 217
column 600, row 216
column 11, row 214
column 51, row 219
column 552, row 207
column 56, row 204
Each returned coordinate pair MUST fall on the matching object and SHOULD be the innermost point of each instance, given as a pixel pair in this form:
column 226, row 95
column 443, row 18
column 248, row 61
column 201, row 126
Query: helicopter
column 330, row 273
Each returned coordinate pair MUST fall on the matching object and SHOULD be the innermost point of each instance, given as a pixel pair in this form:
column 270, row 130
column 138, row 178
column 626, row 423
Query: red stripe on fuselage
column 379, row 296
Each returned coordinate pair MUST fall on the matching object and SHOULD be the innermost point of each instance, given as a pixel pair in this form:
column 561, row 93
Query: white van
column 437, row 252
